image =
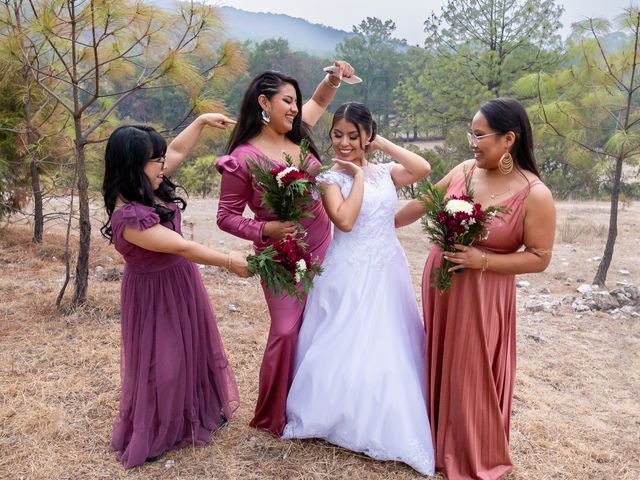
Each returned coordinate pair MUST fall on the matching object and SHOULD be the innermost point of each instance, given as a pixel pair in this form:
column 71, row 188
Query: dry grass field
column 576, row 408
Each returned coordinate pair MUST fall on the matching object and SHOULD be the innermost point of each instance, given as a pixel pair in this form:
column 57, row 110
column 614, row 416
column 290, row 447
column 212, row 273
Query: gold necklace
column 494, row 195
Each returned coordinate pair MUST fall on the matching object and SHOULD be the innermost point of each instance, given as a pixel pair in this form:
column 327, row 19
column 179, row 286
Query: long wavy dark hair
column 508, row 115
column 249, row 120
column 360, row 115
column 129, row 148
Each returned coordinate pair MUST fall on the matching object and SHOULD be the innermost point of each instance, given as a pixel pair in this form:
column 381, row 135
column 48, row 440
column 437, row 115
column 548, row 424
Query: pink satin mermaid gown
column 238, row 189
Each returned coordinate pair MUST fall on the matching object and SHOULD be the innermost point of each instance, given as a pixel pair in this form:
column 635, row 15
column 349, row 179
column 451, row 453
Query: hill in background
column 301, row 34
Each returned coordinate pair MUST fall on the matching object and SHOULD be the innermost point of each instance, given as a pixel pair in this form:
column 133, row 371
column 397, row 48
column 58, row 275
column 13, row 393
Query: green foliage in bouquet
column 288, row 190
column 285, row 266
column 452, row 220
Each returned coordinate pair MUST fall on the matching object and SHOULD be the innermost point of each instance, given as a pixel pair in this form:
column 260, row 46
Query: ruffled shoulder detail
column 135, row 215
column 238, row 159
column 334, row 177
column 226, row 163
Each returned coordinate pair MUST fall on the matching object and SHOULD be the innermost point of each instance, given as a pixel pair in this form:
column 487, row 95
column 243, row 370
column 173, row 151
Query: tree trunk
column 38, row 214
column 82, row 265
column 603, row 268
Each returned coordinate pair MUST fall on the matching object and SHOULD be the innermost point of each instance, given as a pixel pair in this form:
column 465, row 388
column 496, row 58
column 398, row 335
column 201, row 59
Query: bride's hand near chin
column 349, row 168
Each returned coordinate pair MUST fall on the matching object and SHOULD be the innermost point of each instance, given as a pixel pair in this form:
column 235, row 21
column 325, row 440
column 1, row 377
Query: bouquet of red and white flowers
column 454, row 220
column 288, row 190
column 284, row 265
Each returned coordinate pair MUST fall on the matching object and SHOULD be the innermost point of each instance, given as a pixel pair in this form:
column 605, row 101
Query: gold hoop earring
column 265, row 117
column 505, row 165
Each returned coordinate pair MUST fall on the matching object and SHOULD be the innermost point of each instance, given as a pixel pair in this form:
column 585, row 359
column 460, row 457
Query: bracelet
column 485, row 261
column 328, row 82
column 229, row 261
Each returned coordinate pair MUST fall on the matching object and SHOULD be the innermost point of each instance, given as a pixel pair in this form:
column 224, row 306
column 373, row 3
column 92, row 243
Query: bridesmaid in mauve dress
column 177, row 385
column 471, row 328
column 273, row 121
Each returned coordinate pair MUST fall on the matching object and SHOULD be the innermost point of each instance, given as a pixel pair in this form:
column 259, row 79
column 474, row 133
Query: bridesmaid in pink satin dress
column 471, row 328
column 273, row 121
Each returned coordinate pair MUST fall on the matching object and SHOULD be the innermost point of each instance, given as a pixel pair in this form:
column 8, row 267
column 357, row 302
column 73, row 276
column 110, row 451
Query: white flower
column 467, row 222
column 283, row 174
column 455, row 206
column 301, row 268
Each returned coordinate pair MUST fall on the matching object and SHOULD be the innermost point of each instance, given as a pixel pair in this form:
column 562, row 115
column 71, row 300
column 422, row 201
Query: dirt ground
column 576, row 409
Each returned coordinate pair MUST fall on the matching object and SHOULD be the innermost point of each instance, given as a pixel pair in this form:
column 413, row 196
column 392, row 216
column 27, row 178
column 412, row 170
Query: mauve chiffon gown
column 177, row 385
column 237, row 190
column 471, row 355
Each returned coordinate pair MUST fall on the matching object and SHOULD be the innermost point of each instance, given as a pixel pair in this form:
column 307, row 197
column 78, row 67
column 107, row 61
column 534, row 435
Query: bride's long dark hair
column 128, row 150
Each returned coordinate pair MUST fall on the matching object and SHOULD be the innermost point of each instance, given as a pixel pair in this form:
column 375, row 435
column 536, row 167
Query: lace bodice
column 373, row 236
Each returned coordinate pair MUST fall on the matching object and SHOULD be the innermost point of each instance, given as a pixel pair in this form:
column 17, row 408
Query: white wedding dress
column 359, row 377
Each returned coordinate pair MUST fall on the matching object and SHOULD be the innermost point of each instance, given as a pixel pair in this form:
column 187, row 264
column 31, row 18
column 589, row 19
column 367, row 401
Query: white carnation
column 283, row 174
column 455, row 206
column 301, row 268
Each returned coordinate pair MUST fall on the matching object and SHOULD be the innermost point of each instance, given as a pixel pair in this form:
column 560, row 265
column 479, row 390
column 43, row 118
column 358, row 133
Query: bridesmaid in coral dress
column 471, row 328
column 273, row 121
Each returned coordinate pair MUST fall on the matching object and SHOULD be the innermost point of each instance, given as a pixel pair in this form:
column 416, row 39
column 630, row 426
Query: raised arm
column 180, row 147
column 411, row 167
column 326, row 90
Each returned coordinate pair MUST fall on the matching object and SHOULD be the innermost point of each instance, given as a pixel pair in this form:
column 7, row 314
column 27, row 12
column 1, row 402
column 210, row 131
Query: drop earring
column 505, row 165
column 265, row 117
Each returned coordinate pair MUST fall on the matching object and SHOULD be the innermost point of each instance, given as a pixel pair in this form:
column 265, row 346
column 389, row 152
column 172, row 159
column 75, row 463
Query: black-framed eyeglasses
column 161, row 160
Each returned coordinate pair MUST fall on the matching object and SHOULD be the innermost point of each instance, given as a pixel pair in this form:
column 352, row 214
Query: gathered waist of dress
column 170, row 261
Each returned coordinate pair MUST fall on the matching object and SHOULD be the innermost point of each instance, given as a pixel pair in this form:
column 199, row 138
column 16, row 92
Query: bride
column 359, row 379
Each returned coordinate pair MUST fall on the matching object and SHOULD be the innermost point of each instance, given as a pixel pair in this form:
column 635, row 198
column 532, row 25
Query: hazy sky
column 408, row 15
